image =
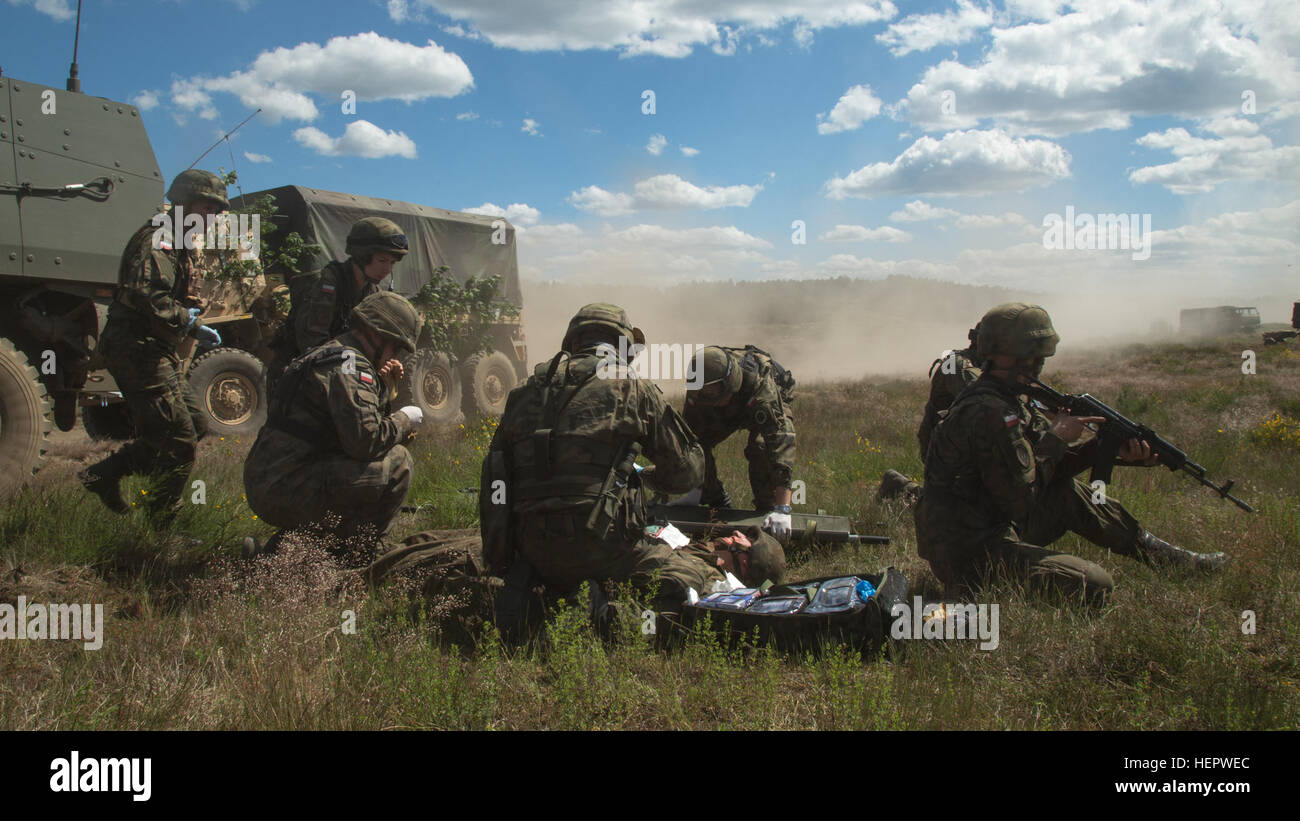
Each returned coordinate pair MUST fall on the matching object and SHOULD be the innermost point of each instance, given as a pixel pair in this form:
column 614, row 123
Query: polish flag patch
column 365, row 377
column 327, row 288
column 1011, row 419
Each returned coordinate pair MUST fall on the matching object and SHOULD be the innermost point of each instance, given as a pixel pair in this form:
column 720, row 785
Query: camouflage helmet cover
column 197, row 184
column 1016, row 329
column 766, row 560
column 391, row 316
column 602, row 316
column 722, row 376
column 376, row 234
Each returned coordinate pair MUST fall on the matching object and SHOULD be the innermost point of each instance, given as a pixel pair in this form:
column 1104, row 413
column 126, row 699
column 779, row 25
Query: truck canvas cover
column 461, row 241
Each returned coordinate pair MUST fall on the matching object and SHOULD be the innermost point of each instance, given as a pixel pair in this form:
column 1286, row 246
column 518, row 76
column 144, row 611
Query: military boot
column 1159, row 552
column 103, row 480
column 894, row 485
column 253, row 547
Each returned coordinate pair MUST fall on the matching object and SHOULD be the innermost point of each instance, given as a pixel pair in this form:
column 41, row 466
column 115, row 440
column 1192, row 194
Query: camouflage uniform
column 563, row 432
column 945, row 387
column 320, row 305
column 761, row 407
column 999, row 485
column 329, row 446
column 147, row 320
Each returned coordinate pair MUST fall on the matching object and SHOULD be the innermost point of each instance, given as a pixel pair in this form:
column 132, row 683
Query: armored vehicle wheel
column 433, row 383
column 108, row 421
column 24, row 419
column 230, row 385
column 490, row 378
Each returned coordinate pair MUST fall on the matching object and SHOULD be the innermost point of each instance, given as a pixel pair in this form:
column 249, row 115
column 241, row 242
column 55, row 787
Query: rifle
column 1118, row 429
column 696, row 520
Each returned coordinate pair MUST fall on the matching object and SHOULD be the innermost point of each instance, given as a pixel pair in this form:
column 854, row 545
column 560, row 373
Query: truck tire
column 432, row 383
column 24, row 419
column 489, row 377
column 108, row 422
column 230, row 386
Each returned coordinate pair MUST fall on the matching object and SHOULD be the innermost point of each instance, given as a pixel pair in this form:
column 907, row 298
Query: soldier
column 999, row 478
column 560, row 488
column 320, row 304
column 746, row 388
column 949, row 376
column 329, row 446
column 156, row 306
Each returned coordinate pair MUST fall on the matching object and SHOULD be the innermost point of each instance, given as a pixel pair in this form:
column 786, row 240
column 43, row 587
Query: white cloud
column 963, row 162
column 188, row 96
column 671, row 191
column 596, row 200
column 665, row 28
column 146, row 100
column 361, row 138
column 58, row 9
column 709, row 237
column 530, row 127
column 518, row 213
column 1009, row 219
column 253, row 156
column 917, row 210
column 860, row 233
column 922, row 32
column 657, row 144
column 1204, row 163
column 1106, row 62
column 374, row 67
column 687, row 151
column 466, row 116
column 854, row 108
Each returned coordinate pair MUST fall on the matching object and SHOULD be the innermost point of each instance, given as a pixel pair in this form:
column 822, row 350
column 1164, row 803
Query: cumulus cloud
column 60, row 10
column 665, row 28
column 657, row 144
column 922, row 32
column 361, row 138
column 253, row 156
column 860, row 233
column 596, row 200
column 518, row 213
column 466, row 116
column 918, row 210
column 146, row 100
column 671, row 191
column 530, row 127
column 373, row 67
column 687, row 151
column 1102, row 64
column 1009, row 219
column 963, row 162
column 854, row 108
column 1204, row 163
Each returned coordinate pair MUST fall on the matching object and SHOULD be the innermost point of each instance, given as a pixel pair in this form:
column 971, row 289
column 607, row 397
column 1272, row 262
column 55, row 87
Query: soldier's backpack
column 752, row 361
column 806, row 616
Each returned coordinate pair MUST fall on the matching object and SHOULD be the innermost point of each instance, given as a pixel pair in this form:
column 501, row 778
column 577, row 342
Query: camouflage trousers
column 167, row 418
column 564, row 554
column 1064, row 505
column 334, row 492
column 764, row 481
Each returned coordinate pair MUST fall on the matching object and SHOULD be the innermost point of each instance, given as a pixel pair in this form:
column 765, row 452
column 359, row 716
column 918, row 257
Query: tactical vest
column 753, row 361
column 282, row 404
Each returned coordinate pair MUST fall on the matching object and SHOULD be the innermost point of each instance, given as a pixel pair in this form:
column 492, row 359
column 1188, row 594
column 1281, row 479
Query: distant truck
column 1223, row 319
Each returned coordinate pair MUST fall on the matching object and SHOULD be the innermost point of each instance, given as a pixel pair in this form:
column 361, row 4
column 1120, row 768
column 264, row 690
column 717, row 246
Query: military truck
column 1223, row 319
column 470, row 245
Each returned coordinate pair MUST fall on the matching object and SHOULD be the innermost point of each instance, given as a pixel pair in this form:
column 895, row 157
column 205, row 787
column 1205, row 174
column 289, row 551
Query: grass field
column 197, row 639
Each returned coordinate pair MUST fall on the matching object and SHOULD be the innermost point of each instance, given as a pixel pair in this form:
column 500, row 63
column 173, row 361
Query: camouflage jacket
column 155, row 286
column 944, row 389
column 760, row 407
column 592, row 422
column 321, row 305
column 988, row 461
column 330, row 401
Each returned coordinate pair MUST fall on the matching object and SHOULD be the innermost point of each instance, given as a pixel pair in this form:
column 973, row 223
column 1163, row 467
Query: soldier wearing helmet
column 745, row 389
column 322, row 302
column 330, row 454
column 156, row 306
column 561, row 498
column 999, row 478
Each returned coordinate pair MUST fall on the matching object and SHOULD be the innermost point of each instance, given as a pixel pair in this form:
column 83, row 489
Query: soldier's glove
column 415, row 413
column 206, row 336
column 778, row 523
column 194, row 316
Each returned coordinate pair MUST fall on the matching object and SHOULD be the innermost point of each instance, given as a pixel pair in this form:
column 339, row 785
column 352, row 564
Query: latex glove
column 207, row 336
column 639, row 468
column 194, row 315
column 778, row 524
column 415, row 413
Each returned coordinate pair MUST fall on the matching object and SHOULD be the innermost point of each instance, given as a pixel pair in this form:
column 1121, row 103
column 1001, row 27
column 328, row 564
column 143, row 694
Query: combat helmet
column 376, row 234
column 766, row 560
column 1016, row 329
column 721, row 379
column 197, row 184
column 391, row 316
column 601, row 316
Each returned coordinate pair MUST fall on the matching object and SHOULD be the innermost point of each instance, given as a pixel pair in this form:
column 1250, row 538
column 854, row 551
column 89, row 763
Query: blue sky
column 831, row 112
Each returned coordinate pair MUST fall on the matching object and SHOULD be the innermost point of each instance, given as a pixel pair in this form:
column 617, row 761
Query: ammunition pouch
column 620, row 483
